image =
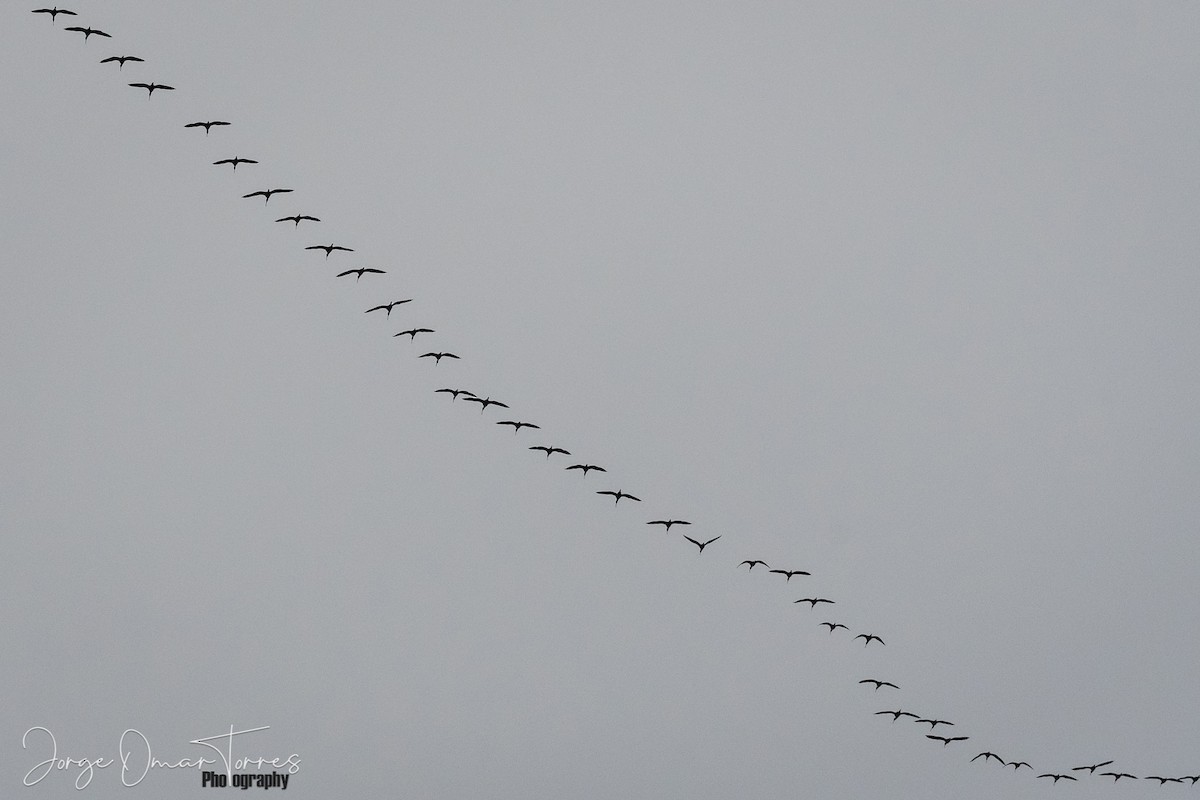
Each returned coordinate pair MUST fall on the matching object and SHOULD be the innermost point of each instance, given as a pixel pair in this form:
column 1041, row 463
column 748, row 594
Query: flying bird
column 1162, row 781
column 878, row 684
column 1116, row 776
column 437, row 359
column 1016, row 765
column 329, row 248
column 933, row 723
column 1057, row 776
column 235, row 161
column 150, row 87
column 868, row 637
column 701, row 545
column 667, row 523
column 833, row 626
column 813, row 601
column 359, row 272
column 54, row 12
column 754, row 562
column 790, row 572
column 265, row 194
column 986, row 756
column 296, row 219
column 412, row 332
column 1092, row 769
column 619, row 494
column 549, row 451
column 516, row 426
column 586, row 467
column 485, row 402
column 85, row 31
column 897, row 714
column 387, row 306
column 120, row 60
column 454, row 393
column 206, row 125
column 945, row 740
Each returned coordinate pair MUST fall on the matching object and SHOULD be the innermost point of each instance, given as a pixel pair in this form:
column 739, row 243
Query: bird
column 296, row 218
column 1016, row 765
column 945, row 740
column 265, row 194
column 833, row 626
column 1163, row 781
column 701, row 545
column 412, row 332
column 454, row 393
column 868, row 637
column 150, row 87
column 667, row 523
column 878, row 684
column 753, row 563
column 986, row 756
column 387, row 306
column 1057, row 776
column 329, row 248
column 1116, row 776
column 1092, row 769
column 897, row 714
column 549, row 451
column 86, row 31
column 933, row 723
column 359, row 272
column 516, row 426
column 619, row 494
column 206, row 125
column 485, row 402
column 790, row 572
column 813, row 601
column 235, row 161
column 54, row 12
column 586, row 468
column 437, row 359
column 120, row 60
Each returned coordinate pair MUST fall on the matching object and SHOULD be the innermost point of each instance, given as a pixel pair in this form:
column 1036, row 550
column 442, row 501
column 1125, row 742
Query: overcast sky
column 903, row 295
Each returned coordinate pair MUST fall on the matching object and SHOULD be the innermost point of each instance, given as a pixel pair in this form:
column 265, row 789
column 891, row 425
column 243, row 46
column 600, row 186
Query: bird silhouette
column 1092, row 769
column 1163, row 781
column 897, row 714
column 412, row 332
column 360, row 272
column 120, row 60
column 150, row 87
column 1057, row 776
column 265, row 194
column 86, row 31
column 619, row 494
column 1116, row 776
column 933, row 723
column 516, row 426
column 235, row 161
column 667, row 523
column 454, row 393
column 755, row 562
column 485, row 402
column 54, row 12
column 813, row 601
column 208, row 126
column 789, row 573
column 945, row 740
column 388, row 307
column 586, row 468
column 868, row 637
column 1016, row 765
column 297, row 217
column 833, row 626
column 878, row 684
column 550, row 450
column 437, row 359
column 329, row 248
column 701, row 545
column 986, row 756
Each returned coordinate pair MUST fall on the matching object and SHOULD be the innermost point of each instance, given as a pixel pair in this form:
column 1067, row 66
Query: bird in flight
column 986, row 756
column 945, row 740
column 265, row 194
column 454, row 393
column 1116, row 776
column 329, row 248
column 360, row 271
column 1163, row 781
column 1092, row 769
column 813, row 601
column 586, row 467
column 933, row 723
column 297, row 217
column 120, row 60
column 437, row 359
column 386, row 306
column 1057, row 776
column 206, row 125
column 86, row 31
column 667, row 523
column 150, row 87
column 54, row 12
column 1016, row 765
column 549, row 451
column 754, row 562
column 619, row 494
column 833, row 626
column 868, row 637
column 412, row 332
column 878, row 684
column 235, row 161
column 701, row 545
column 790, row 572
column 516, row 426
column 897, row 714
column 485, row 402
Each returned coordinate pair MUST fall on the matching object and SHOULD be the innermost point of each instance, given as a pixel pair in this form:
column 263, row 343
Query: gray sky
column 905, row 297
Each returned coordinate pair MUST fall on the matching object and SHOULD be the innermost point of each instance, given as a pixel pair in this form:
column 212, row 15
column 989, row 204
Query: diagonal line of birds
column 875, row 684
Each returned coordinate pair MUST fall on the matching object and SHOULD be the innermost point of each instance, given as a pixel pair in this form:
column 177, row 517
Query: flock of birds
column 584, row 468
